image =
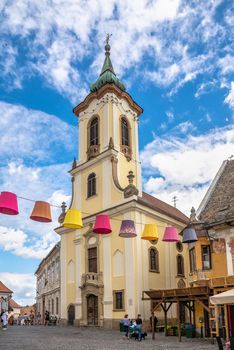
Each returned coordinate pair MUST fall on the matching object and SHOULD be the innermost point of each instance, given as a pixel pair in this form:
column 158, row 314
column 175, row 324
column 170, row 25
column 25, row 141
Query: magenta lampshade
column 189, row 235
column 8, row 203
column 127, row 229
column 170, row 234
column 102, row 224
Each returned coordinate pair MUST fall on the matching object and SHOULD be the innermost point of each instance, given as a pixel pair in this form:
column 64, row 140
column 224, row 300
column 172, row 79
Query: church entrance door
column 71, row 314
column 92, row 310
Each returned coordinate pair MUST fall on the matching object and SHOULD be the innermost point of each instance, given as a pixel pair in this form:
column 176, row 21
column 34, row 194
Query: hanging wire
column 58, row 206
column 33, row 200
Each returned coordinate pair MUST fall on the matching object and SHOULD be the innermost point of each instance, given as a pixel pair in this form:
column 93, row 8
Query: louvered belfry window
column 125, row 132
column 94, row 132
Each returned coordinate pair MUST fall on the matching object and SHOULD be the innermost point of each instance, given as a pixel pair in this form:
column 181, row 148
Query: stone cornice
column 101, row 92
column 133, row 205
column 91, row 162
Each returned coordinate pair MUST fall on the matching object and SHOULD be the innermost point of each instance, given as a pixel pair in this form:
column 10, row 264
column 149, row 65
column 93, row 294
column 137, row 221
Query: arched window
column 124, row 132
column 153, row 260
column 180, row 265
column 91, row 190
column 93, row 135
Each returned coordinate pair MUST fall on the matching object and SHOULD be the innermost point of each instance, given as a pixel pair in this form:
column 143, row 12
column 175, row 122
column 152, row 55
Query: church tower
column 103, row 275
column 108, row 171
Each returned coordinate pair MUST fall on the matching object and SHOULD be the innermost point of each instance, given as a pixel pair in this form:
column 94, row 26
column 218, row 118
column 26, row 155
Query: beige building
column 48, row 284
column 15, row 308
column 103, row 275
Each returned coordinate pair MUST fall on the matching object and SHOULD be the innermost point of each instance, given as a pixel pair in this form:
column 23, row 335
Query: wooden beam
column 169, row 307
column 226, row 321
column 152, row 318
column 178, row 320
column 157, row 305
column 165, row 318
column 194, row 316
column 203, row 305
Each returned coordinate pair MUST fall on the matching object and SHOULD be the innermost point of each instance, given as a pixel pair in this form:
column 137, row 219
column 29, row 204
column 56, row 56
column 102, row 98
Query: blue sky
column 175, row 58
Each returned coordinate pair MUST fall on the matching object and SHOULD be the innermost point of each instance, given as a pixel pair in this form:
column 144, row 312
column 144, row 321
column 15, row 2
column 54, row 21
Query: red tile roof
column 4, row 289
column 162, row 207
column 13, row 304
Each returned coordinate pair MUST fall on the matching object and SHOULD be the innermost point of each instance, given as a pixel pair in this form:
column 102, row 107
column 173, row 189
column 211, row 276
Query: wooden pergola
column 165, row 298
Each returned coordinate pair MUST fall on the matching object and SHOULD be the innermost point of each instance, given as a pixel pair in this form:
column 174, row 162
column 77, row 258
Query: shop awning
column 223, row 298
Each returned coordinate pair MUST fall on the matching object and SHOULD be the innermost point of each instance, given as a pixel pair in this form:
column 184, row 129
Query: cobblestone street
column 71, row 338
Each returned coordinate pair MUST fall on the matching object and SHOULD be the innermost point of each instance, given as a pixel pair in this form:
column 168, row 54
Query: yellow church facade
column 103, row 275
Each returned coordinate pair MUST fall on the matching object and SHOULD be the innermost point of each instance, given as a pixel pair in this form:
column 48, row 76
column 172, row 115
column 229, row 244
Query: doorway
column 71, row 315
column 92, row 310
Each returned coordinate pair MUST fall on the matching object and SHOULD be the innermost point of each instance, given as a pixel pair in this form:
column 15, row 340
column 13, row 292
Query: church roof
column 107, row 74
column 4, row 289
column 13, row 304
column 218, row 203
column 162, row 207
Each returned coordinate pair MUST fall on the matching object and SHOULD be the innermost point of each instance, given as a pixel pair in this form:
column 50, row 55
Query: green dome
column 107, row 74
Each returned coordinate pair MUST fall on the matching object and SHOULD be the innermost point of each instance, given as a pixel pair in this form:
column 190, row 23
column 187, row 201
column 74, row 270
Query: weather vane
column 108, row 38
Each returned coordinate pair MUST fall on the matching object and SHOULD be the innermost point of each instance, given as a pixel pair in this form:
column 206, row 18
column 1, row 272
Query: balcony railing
column 92, row 278
column 198, row 277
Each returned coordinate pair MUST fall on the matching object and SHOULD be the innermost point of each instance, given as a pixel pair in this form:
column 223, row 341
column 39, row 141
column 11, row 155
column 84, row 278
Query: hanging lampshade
column 41, row 212
column 127, row 229
column 170, row 234
column 150, row 232
column 102, row 224
column 73, row 219
column 189, row 235
column 8, row 203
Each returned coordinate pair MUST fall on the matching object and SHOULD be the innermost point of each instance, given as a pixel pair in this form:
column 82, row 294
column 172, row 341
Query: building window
column 93, row 136
column 57, row 306
column 206, row 257
column 153, row 260
column 52, row 270
column 192, row 259
column 118, row 297
column 124, row 132
column 91, row 190
column 180, row 265
column 52, row 306
column 49, row 305
column 92, row 259
column 57, row 268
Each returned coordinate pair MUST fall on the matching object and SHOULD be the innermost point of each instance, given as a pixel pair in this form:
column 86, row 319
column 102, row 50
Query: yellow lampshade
column 150, row 232
column 73, row 219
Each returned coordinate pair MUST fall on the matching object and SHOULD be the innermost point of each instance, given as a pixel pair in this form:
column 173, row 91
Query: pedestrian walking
column 47, row 317
column 4, row 319
column 126, row 324
column 139, row 326
column 31, row 318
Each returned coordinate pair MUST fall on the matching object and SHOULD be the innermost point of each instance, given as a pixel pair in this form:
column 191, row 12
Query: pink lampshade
column 170, row 234
column 102, row 224
column 8, row 203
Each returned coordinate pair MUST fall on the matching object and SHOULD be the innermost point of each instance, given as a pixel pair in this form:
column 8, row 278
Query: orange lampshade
column 41, row 212
column 150, row 232
column 73, row 219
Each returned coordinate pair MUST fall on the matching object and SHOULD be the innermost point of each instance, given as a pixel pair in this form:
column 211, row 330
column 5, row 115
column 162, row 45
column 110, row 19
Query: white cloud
column 28, row 138
column 185, row 165
column 230, row 97
column 33, row 135
column 185, row 127
column 22, row 285
column 59, row 43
